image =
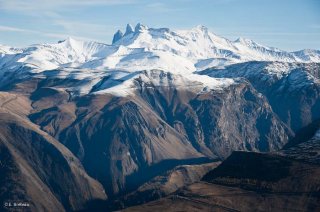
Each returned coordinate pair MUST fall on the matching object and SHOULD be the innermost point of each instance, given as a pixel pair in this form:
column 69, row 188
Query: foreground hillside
column 249, row 182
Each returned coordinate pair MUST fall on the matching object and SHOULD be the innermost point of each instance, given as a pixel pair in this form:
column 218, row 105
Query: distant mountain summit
column 117, row 36
column 129, row 29
column 199, row 44
column 140, row 48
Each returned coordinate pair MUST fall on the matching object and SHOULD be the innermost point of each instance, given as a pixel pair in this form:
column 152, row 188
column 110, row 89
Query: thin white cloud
column 51, row 5
column 45, row 34
column 54, row 13
column 63, row 36
column 11, row 29
column 83, row 27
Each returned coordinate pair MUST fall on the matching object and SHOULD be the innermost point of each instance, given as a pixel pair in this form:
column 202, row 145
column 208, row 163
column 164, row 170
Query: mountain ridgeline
column 85, row 122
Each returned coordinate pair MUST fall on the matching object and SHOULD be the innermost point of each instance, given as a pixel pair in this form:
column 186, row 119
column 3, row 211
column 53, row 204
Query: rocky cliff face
column 237, row 117
column 119, row 138
column 292, row 89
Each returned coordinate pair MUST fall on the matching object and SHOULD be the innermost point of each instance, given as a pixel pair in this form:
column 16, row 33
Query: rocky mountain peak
column 140, row 27
column 117, row 36
column 129, row 30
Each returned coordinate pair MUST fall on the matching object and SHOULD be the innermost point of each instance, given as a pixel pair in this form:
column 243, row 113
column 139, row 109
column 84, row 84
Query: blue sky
column 286, row 24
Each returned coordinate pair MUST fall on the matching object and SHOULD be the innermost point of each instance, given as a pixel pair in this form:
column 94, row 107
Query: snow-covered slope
column 67, row 53
column 199, row 46
column 149, row 48
column 308, row 55
column 8, row 50
column 180, row 52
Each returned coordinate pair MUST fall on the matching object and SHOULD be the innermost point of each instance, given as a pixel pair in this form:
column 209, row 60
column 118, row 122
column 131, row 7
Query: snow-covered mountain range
column 182, row 52
column 84, row 124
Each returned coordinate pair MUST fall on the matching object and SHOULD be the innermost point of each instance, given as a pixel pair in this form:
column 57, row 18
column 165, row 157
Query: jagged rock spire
column 117, row 36
column 129, row 30
column 139, row 27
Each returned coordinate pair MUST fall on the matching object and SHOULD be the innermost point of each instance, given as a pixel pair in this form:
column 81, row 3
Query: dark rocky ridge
column 167, row 183
column 292, row 89
column 286, row 180
column 117, row 138
column 38, row 170
column 248, row 181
